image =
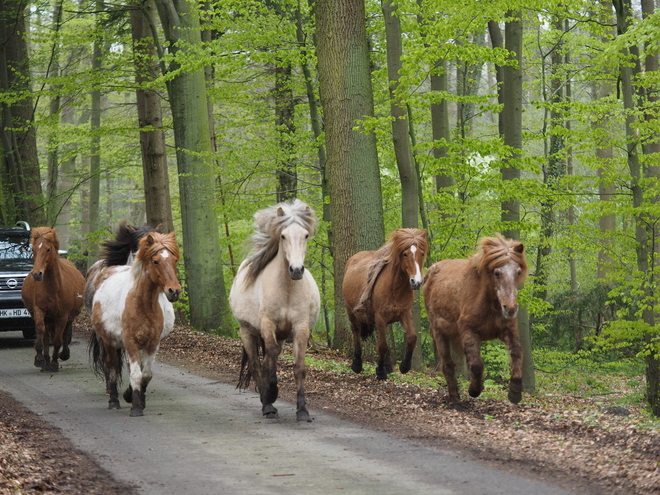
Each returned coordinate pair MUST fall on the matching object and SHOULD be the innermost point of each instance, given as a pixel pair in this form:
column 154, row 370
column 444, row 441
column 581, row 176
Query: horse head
column 159, row 255
column 411, row 246
column 508, row 270
column 45, row 246
column 293, row 243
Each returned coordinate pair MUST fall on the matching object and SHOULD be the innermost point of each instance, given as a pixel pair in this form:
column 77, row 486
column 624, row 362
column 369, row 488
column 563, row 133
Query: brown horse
column 472, row 300
column 378, row 290
column 132, row 312
column 54, row 297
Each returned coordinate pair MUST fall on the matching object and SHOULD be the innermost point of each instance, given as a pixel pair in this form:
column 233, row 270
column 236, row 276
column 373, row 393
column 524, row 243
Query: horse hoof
column 270, row 411
column 50, row 368
column 381, row 375
column 474, row 392
column 515, row 397
column 39, row 362
column 356, row 367
column 404, row 368
column 303, row 416
column 272, row 415
column 457, row 407
column 114, row 404
column 65, row 355
column 128, row 394
column 136, row 412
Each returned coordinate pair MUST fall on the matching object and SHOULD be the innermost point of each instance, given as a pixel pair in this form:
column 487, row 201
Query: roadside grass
column 572, row 384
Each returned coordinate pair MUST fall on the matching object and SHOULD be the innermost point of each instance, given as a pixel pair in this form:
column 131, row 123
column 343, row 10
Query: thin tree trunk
column 152, row 140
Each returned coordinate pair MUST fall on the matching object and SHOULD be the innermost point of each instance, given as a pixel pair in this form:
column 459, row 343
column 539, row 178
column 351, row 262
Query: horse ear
column 519, row 248
column 149, row 240
column 159, row 228
column 280, row 212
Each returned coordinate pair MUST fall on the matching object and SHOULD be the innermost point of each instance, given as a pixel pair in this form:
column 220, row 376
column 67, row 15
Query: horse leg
column 135, row 386
column 384, row 364
column 58, row 337
column 512, row 341
column 111, row 375
column 356, row 365
column 299, row 347
column 443, row 346
column 471, row 344
column 268, row 390
column 147, row 375
column 411, row 340
column 40, row 327
column 68, row 335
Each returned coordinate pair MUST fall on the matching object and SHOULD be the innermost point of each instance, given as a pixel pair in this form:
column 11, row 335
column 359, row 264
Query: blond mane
column 150, row 245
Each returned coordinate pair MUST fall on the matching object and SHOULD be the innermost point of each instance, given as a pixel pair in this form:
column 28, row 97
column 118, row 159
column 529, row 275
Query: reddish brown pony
column 473, row 300
column 132, row 312
column 54, row 296
column 379, row 289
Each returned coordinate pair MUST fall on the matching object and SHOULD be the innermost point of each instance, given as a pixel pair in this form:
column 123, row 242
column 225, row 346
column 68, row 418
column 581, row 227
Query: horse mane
column 47, row 234
column 269, row 224
column 150, row 245
column 389, row 253
column 118, row 251
column 496, row 251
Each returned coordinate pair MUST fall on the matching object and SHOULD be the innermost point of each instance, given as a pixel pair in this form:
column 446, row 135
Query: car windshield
column 15, row 248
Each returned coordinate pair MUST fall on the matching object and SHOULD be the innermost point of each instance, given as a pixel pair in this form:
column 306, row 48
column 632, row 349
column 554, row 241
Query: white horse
column 274, row 298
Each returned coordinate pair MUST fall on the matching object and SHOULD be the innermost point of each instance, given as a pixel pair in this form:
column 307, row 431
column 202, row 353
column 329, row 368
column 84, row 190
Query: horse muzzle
column 416, row 284
column 297, row 272
column 508, row 312
column 38, row 276
column 172, row 294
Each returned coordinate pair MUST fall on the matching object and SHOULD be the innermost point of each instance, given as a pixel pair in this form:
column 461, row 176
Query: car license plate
column 14, row 313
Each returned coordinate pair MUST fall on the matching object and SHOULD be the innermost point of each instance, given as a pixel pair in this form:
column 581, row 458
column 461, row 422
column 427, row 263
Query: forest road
column 199, row 436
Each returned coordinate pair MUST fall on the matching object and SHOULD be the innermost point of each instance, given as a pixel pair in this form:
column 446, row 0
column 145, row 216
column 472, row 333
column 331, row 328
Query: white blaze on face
column 418, row 271
column 40, row 244
column 507, row 289
column 164, row 254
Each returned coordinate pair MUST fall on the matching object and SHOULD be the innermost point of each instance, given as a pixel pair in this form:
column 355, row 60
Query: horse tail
column 97, row 355
column 366, row 330
column 245, row 375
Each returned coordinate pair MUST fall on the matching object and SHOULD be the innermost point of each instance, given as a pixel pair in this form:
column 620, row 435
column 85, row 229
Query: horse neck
column 53, row 275
column 146, row 291
column 400, row 279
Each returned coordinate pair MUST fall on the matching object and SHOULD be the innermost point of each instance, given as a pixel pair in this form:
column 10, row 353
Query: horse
column 53, row 295
column 118, row 251
column 131, row 313
column 274, row 298
column 378, row 290
column 469, row 301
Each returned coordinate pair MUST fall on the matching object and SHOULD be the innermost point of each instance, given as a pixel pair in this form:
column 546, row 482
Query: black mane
column 126, row 242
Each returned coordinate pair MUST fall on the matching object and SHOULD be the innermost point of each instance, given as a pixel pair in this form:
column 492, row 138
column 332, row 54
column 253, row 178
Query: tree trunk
column 201, row 241
column 95, row 148
column 18, row 137
column 352, row 158
column 152, row 141
column 510, row 124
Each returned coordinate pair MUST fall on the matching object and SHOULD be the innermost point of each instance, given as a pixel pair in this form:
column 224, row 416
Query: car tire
column 29, row 333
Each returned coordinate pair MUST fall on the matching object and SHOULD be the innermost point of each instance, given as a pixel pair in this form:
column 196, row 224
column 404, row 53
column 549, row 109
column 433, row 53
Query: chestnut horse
column 274, row 298
column 379, row 289
column 118, row 251
column 132, row 312
column 472, row 300
column 54, row 297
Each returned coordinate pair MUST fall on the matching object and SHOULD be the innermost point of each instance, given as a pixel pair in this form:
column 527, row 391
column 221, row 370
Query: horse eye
column 497, row 274
column 405, row 255
column 155, row 262
column 306, row 236
column 283, row 237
